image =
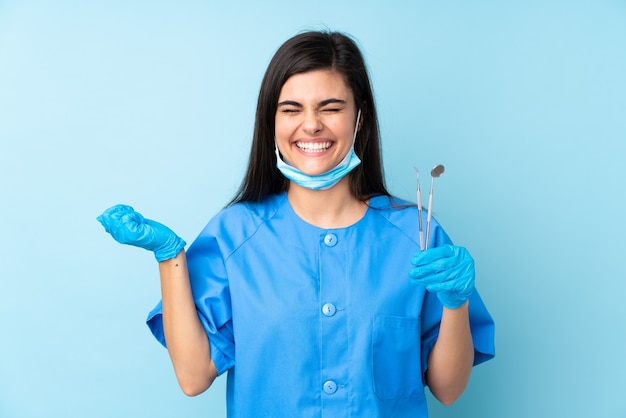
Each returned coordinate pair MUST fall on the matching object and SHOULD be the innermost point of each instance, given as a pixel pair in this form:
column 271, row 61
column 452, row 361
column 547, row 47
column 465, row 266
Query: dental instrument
column 419, row 209
column 434, row 173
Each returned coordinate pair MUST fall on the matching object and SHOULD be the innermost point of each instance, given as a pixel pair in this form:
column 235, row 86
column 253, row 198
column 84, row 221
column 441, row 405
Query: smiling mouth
column 313, row 146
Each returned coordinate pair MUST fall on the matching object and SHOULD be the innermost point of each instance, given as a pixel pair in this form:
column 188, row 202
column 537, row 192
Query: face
column 315, row 121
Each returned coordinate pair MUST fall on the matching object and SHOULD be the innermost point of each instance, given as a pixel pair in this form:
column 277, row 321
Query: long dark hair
column 306, row 52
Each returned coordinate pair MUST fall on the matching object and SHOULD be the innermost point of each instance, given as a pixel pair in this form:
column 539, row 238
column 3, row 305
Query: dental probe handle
column 430, row 211
column 419, row 216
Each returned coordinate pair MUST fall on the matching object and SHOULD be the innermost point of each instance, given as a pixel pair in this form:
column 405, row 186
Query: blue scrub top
column 313, row 322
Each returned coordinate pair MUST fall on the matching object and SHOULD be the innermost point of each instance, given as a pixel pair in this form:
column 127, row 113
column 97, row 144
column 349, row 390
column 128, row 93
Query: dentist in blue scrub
column 309, row 290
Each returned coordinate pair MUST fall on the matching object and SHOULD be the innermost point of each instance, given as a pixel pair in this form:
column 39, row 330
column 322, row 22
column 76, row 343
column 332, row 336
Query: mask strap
column 356, row 127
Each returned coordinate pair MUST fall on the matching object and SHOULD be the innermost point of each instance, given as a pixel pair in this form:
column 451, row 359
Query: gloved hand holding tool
column 129, row 227
column 448, row 271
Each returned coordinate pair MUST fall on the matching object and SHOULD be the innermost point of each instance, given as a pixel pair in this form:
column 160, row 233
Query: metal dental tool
column 419, row 209
column 435, row 172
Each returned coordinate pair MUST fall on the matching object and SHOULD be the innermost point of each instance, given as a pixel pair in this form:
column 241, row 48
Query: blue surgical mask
column 325, row 180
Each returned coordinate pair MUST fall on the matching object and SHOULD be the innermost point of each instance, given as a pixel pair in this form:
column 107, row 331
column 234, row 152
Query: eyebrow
column 321, row 104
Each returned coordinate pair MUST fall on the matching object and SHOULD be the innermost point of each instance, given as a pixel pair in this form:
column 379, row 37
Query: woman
column 302, row 288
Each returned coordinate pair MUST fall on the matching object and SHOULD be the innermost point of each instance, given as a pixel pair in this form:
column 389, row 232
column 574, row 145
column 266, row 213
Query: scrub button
column 329, row 309
column 330, row 240
column 330, row 387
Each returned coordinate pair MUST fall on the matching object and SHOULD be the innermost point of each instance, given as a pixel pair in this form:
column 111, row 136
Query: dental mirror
column 437, row 170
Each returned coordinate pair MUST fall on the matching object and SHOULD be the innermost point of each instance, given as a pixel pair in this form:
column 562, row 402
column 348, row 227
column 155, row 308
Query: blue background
column 152, row 104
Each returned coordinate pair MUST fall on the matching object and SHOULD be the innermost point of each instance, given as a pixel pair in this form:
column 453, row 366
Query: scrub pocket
column 396, row 364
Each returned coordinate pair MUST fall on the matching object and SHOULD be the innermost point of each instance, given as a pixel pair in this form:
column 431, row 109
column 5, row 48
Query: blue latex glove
column 128, row 227
column 448, row 271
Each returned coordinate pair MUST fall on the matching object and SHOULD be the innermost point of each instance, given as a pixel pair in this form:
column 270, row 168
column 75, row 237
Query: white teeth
column 313, row 146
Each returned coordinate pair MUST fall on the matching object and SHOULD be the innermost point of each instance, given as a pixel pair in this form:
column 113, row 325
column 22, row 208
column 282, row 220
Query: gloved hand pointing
column 128, row 227
column 448, row 271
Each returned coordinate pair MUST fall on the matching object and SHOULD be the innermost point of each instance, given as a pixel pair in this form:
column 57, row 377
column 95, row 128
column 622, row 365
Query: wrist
column 171, row 249
column 451, row 300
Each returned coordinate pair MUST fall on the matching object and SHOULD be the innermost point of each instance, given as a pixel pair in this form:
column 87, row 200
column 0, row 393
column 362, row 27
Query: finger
column 127, row 228
column 463, row 288
column 441, row 265
column 442, row 270
column 439, row 287
column 418, row 278
column 111, row 216
column 431, row 255
column 117, row 210
column 131, row 220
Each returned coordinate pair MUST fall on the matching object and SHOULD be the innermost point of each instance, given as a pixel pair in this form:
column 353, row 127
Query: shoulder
column 252, row 212
column 395, row 210
column 403, row 215
column 235, row 224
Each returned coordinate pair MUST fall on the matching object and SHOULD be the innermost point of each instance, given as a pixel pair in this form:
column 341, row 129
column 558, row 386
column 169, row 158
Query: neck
column 331, row 208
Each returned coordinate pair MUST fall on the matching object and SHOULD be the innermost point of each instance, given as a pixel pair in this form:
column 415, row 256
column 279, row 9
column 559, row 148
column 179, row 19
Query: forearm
column 452, row 357
column 186, row 339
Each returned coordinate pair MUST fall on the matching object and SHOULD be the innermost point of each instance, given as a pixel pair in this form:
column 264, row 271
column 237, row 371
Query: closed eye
column 289, row 106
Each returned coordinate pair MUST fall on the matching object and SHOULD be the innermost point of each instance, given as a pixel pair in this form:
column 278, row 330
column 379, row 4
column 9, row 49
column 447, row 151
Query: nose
column 312, row 123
